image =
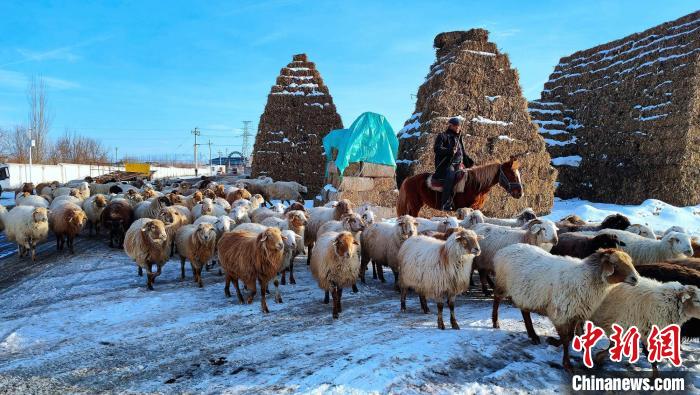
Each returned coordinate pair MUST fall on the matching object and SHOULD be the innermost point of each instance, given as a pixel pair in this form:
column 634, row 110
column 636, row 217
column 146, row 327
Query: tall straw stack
column 624, row 124
column 298, row 114
column 472, row 79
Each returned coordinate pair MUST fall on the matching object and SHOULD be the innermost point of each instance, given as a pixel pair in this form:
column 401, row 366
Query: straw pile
column 629, row 112
column 470, row 78
column 298, row 114
column 363, row 183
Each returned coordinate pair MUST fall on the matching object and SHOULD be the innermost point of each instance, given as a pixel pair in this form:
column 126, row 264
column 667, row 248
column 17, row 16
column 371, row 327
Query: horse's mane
column 480, row 177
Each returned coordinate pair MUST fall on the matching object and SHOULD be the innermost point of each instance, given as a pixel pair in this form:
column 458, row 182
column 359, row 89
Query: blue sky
column 141, row 74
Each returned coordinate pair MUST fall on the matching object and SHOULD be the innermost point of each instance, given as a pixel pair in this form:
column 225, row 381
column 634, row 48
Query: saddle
column 436, row 184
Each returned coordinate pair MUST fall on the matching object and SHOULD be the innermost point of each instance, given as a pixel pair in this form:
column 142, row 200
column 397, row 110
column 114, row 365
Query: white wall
column 64, row 172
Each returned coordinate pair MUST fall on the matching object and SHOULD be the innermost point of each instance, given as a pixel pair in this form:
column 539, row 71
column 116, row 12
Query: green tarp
column 369, row 139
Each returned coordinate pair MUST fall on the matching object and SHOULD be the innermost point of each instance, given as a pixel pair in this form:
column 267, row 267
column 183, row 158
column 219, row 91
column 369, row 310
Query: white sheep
column 320, row 215
column 93, row 207
column 436, row 269
column 648, row 303
column 146, row 242
column 441, row 224
column 65, row 199
column 239, row 215
column 331, row 204
column 292, row 241
column 27, row 226
column 288, row 191
column 643, row 250
column 380, row 244
column 335, row 265
column 3, row 214
column 471, row 218
column 261, row 213
column 368, row 216
column 25, row 199
column 151, row 208
column 566, row 290
column 675, row 228
column 207, row 207
column 521, row 219
column 541, row 233
column 251, row 227
column 195, row 243
column 294, row 220
column 641, row 230
column 223, row 203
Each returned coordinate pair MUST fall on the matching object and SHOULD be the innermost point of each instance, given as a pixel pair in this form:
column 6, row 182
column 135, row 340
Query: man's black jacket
column 444, row 149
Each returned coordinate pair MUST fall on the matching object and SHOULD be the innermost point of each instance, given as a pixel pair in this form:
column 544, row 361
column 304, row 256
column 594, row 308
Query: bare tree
column 74, row 148
column 39, row 118
column 18, row 143
column 4, row 145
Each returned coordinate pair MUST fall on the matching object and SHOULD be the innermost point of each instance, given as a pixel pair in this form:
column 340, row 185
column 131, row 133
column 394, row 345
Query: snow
column 480, row 119
column 492, row 98
column 329, row 188
column 550, row 122
column 506, row 138
column 557, row 143
column 547, row 103
column 541, row 111
column 405, row 161
column 482, row 53
column 651, row 107
column 86, row 324
column 573, row 160
column 654, row 213
column 286, row 92
column 653, row 117
column 553, row 132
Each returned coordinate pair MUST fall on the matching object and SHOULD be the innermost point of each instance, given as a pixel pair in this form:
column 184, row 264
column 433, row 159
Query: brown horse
column 477, row 183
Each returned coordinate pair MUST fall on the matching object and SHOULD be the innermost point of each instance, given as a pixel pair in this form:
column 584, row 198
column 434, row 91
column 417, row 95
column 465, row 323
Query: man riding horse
column 450, row 157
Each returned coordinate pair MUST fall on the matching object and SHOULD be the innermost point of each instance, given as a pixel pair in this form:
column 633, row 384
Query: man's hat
column 455, row 121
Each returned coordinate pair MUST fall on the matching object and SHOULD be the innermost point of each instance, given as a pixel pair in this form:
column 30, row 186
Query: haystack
column 622, row 119
column 472, row 79
column 298, row 114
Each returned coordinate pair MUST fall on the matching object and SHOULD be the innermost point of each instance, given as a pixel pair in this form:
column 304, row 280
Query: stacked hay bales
column 363, row 183
column 298, row 114
column 631, row 112
column 470, row 78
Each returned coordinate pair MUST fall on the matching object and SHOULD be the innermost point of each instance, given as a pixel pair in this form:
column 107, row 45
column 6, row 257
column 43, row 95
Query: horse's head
column 509, row 177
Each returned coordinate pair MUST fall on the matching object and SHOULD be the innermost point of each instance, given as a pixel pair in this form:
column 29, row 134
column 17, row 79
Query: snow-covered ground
column 86, row 324
column 7, row 199
column 654, row 213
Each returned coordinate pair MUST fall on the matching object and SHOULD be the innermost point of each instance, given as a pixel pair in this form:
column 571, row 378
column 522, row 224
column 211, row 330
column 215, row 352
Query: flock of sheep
column 570, row 271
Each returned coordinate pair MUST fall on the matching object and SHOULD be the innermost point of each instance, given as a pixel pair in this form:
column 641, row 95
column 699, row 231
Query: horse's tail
column 403, row 201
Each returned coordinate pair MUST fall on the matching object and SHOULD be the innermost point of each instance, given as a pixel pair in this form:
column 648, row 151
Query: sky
column 140, row 75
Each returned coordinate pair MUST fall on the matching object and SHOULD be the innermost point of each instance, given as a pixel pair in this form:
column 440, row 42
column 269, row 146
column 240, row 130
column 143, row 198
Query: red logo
column 586, row 342
column 624, row 345
column 665, row 344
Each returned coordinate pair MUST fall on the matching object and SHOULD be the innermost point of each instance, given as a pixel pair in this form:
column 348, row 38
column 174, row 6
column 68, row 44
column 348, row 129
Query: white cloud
column 64, row 53
column 60, row 84
column 16, row 80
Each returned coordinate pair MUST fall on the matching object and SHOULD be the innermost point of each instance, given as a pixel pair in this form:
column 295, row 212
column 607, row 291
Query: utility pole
column 196, row 133
column 211, row 168
column 246, row 135
column 116, row 156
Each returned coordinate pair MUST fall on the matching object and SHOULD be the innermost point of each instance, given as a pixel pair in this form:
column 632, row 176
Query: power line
column 246, row 134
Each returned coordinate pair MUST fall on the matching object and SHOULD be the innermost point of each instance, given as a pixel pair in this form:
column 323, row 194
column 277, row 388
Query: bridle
column 505, row 182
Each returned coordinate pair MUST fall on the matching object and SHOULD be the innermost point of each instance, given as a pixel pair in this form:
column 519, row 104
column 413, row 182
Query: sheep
column 541, row 233
column 675, row 228
column 581, row 245
column 236, row 194
column 133, row 197
column 292, row 241
column 255, row 186
column 261, row 213
column 25, row 199
column 251, row 227
column 64, row 199
column 256, row 201
column 67, row 220
column 331, row 204
column 643, row 250
column 147, row 244
column 320, row 215
column 287, row 191
column 436, row 269
column 352, row 223
column 641, row 230
column 220, row 191
column 176, row 199
column 250, row 257
column 93, row 207
column 150, row 209
column 207, row 207
column 684, row 271
column 3, row 214
column 46, row 188
column 82, row 188
column 195, row 243
column 571, row 219
column 648, row 303
column 613, row 221
column 117, row 217
column 294, row 206
column 185, row 212
column 470, row 218
column 439, row 225
column 294, row 220
column 27, row 226
column 173, row 220
column 566, row 290
column 335, row 265
column 26, row 187
column 193, row 200
column 521, row 219
column 367, row 214
column 380, row 244
column 223, row 203
column 239, row 215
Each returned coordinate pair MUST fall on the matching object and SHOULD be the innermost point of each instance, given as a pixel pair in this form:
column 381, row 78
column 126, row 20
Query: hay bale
column 357, row 184
column 472, row 79
column 366, row 169
column 630, row 113
column 298, row 114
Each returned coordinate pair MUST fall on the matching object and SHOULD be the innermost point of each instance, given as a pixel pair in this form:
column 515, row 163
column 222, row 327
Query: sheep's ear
column 672, row 240
column 685, row 294
column 621, row 243
column 264, row 236
column 608, row 267
column 144, row 229
column 356, row 243
column 480, row 237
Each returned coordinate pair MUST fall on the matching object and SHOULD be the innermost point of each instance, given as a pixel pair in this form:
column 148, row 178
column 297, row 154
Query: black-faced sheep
column 438, row 270
column 251, row 257
column 335, row 265
column 117, row 217
column 566, row 290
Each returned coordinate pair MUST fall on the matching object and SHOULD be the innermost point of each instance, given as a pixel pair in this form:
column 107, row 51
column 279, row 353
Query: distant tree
column 39, row 119
column 74, row 148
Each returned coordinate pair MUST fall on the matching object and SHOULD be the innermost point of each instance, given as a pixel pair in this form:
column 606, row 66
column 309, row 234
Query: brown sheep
column 208, row 193
column 335, row 265
column 147, row 244
column 117, row 217
column 192, row 200
column 196, row 243
column 220, row 191
column 251, row 257
column 695, row 243
column 51, row 185
column 173, row 220
column 580, row 245
column 237, row 194
column 297, row 206
column 67, row 220
column 613, row 221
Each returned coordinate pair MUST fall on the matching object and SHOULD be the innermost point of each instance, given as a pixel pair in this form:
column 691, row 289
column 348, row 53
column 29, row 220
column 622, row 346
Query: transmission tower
column 246, row 136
